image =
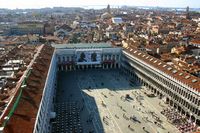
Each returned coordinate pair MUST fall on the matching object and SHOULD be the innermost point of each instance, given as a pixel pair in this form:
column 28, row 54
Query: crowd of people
column 181, row 122
column 124, row 98
column 151, row 116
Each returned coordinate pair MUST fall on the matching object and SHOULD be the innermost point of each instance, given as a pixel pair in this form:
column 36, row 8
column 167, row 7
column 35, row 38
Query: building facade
column 181, row 90
column 27, row 28
column 46, row 111
column 108, row 57
column 177, row 88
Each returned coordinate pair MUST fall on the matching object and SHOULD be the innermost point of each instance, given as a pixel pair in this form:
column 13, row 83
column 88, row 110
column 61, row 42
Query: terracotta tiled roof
column 185, row 78
column 23, row 119
column 36, row 73
column 195, row 42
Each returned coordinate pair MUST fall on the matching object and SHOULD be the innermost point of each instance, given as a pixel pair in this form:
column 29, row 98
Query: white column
column 70, row 58
column 190, row 117
column 70, row 67
column 66, row 68
column 62, row 67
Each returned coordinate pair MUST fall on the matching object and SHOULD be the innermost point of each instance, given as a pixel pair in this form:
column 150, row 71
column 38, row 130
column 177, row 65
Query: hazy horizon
column 36, row 4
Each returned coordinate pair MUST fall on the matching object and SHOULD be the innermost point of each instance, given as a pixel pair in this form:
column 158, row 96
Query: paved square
column 102, row 95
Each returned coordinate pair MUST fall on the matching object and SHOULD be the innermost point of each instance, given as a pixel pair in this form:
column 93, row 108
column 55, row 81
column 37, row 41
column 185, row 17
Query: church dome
column 106, row 15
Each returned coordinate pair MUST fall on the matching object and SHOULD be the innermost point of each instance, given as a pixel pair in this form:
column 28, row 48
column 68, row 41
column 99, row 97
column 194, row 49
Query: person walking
column 103, row 118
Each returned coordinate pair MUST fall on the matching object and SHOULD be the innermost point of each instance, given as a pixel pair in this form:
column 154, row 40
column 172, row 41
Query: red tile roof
column 195, row 42
column 185, row 78
column 23, row 119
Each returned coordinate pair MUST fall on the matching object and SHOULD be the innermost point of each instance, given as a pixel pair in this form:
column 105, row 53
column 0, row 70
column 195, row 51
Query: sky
column 22, row 4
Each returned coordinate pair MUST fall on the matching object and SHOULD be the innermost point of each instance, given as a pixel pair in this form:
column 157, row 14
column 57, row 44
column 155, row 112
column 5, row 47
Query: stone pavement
column 103, row 93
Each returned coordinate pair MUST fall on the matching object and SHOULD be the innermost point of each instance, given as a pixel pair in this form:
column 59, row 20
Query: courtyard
column 108, row 103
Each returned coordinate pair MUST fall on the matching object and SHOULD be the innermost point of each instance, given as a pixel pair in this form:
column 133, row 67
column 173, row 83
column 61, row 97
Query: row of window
column 174, row 86
column 169, row 83
column 137, row 74
column 71, row 58
column 44, row 111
